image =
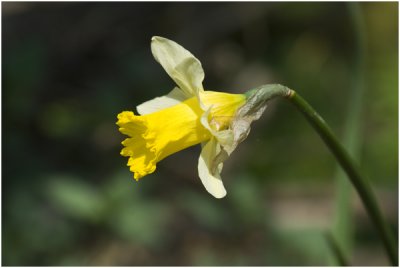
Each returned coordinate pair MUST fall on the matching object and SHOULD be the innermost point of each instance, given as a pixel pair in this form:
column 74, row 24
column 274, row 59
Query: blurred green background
column 70, row 68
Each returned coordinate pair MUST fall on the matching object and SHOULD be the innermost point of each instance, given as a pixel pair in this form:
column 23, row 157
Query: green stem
column 361, row 185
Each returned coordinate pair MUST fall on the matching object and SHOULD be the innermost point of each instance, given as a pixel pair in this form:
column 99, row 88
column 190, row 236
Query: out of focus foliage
column 70, row 68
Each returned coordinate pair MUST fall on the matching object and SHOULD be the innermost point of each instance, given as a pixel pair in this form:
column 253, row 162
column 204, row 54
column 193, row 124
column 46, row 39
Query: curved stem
column 362, row 186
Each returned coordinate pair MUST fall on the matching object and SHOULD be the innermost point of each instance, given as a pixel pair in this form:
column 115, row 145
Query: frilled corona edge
column 140, row 146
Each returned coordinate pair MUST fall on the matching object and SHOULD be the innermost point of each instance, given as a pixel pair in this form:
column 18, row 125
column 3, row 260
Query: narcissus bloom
column 186, row 116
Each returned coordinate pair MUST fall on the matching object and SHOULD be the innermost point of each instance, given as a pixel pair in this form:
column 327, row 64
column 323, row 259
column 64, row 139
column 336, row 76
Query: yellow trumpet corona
column 157, row 135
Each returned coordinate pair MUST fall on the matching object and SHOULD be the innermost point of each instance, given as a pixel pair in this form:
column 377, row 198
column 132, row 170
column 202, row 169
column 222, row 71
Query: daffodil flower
column 186, row 116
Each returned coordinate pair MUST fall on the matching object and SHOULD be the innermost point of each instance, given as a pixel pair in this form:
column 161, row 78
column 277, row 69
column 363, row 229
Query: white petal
column 174, row 97
column 211, row 179
column 184, row 68
column 224, row 137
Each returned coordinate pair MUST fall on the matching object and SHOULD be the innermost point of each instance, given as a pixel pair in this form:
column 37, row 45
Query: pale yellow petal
column 176, row 96
column 224, row 137
column 184, row 68
column 210, row 175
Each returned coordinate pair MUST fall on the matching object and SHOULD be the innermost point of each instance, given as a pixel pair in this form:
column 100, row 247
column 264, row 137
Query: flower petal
column 224, row 137
column 184, row 68
column 208, row 173
column 176, row 96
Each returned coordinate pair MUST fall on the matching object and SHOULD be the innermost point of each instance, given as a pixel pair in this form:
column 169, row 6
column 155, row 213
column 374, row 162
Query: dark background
column 68, row 69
